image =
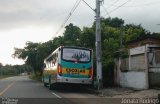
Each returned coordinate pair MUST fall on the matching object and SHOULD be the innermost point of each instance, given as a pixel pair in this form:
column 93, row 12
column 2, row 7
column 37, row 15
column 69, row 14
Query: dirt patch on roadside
column 129, row 93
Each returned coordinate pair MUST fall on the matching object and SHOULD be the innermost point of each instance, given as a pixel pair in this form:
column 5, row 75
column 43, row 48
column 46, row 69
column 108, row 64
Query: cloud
column 21, row 13
column 17, row 13
column 144, row 12
column 38, row 20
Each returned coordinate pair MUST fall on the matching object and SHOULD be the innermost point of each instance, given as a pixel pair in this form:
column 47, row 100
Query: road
column 27, row 91
column 23, row 87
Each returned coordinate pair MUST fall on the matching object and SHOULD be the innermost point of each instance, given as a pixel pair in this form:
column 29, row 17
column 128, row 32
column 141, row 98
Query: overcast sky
column 39, row 20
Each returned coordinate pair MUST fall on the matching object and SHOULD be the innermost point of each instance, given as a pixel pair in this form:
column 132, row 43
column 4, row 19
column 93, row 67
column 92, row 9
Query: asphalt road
column 22, row 90
column 23, row 87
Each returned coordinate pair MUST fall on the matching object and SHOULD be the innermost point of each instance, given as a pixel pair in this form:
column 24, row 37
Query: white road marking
column 56, row 95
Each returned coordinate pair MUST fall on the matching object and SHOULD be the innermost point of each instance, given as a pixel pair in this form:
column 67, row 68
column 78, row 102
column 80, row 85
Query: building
column 141, row 69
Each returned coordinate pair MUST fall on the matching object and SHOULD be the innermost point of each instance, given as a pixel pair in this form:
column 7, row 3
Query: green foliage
column 9, row 70
column 87, row 38
column 1, row 65
column 114, row 35
column 113, row 22
column 72, row 35
column 35, row 76
column 133, row 32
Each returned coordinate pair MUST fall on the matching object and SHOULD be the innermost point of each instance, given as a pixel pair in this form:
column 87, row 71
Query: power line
column 146, row 4
column 106, row 11
column 69, row 15
column 118, row 7
column 140, row 5
column 113, row 4
column 88, row 5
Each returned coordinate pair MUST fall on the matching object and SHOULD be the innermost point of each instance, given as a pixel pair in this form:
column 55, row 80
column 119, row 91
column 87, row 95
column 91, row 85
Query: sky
column 39, row 20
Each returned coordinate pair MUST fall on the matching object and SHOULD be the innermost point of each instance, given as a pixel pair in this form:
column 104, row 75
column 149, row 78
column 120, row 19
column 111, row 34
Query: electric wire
column 88, row 5
column 140, row 5
column 118, row 7
column 69, row 15
column 77, row 4
column 113, row 4
column 106, row 11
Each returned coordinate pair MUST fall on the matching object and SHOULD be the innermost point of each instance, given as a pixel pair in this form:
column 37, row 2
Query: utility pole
column 98, row 45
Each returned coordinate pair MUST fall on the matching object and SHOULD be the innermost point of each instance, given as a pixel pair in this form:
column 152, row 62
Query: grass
column 5, row 76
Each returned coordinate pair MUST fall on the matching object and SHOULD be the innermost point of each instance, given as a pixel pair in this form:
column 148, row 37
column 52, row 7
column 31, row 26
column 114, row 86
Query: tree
column 1, row 65
column 28, row 54
column 113, row 31
column 133, row 32
column 113, row 22
column 72, row 35
column 87, row 38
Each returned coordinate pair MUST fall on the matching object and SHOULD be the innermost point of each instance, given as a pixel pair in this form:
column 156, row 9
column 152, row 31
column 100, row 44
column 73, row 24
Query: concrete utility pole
column 98, row 45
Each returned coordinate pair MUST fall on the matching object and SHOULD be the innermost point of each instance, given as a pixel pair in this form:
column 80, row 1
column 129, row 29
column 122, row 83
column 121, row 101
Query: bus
column 67, row 64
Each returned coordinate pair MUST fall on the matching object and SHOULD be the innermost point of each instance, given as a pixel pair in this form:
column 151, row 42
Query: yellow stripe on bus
column 83, row 72
column 64, row 71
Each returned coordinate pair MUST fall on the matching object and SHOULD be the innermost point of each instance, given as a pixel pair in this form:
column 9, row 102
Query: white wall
column 156, row 70
column 135, row 80
column 137, row 50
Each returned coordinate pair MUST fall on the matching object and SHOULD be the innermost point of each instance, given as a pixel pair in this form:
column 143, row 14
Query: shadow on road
column 73, row 88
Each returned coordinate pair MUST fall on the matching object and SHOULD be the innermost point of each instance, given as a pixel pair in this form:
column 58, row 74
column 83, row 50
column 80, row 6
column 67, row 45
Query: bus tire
column 42, row 78
column 50, row 84
column 50, row 87
column 45, row 84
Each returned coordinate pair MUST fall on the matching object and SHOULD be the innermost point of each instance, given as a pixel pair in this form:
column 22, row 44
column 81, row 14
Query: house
column 141, row 69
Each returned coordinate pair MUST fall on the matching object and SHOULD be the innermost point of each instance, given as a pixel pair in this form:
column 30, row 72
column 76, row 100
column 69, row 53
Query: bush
column 35, row 76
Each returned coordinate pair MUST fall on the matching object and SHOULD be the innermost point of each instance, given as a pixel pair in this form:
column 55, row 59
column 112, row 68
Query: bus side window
column 44, row 66
column 47, row 65
column 54, row 59
column 53, row 62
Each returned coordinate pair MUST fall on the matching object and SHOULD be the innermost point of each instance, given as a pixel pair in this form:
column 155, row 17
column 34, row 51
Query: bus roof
column 77, row 47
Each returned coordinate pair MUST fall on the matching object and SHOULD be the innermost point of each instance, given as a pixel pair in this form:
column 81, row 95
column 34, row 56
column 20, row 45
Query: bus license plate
column 73, row 71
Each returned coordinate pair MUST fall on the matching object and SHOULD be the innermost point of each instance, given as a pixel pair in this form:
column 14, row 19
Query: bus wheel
column 50, row 86
column 45, row 84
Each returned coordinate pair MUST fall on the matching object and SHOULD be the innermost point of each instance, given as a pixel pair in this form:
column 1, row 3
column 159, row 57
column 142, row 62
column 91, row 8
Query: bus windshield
column 76, row 55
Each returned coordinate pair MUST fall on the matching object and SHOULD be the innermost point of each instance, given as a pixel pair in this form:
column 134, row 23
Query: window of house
column 157, row 57
column 137, row 62
column 124, row 64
